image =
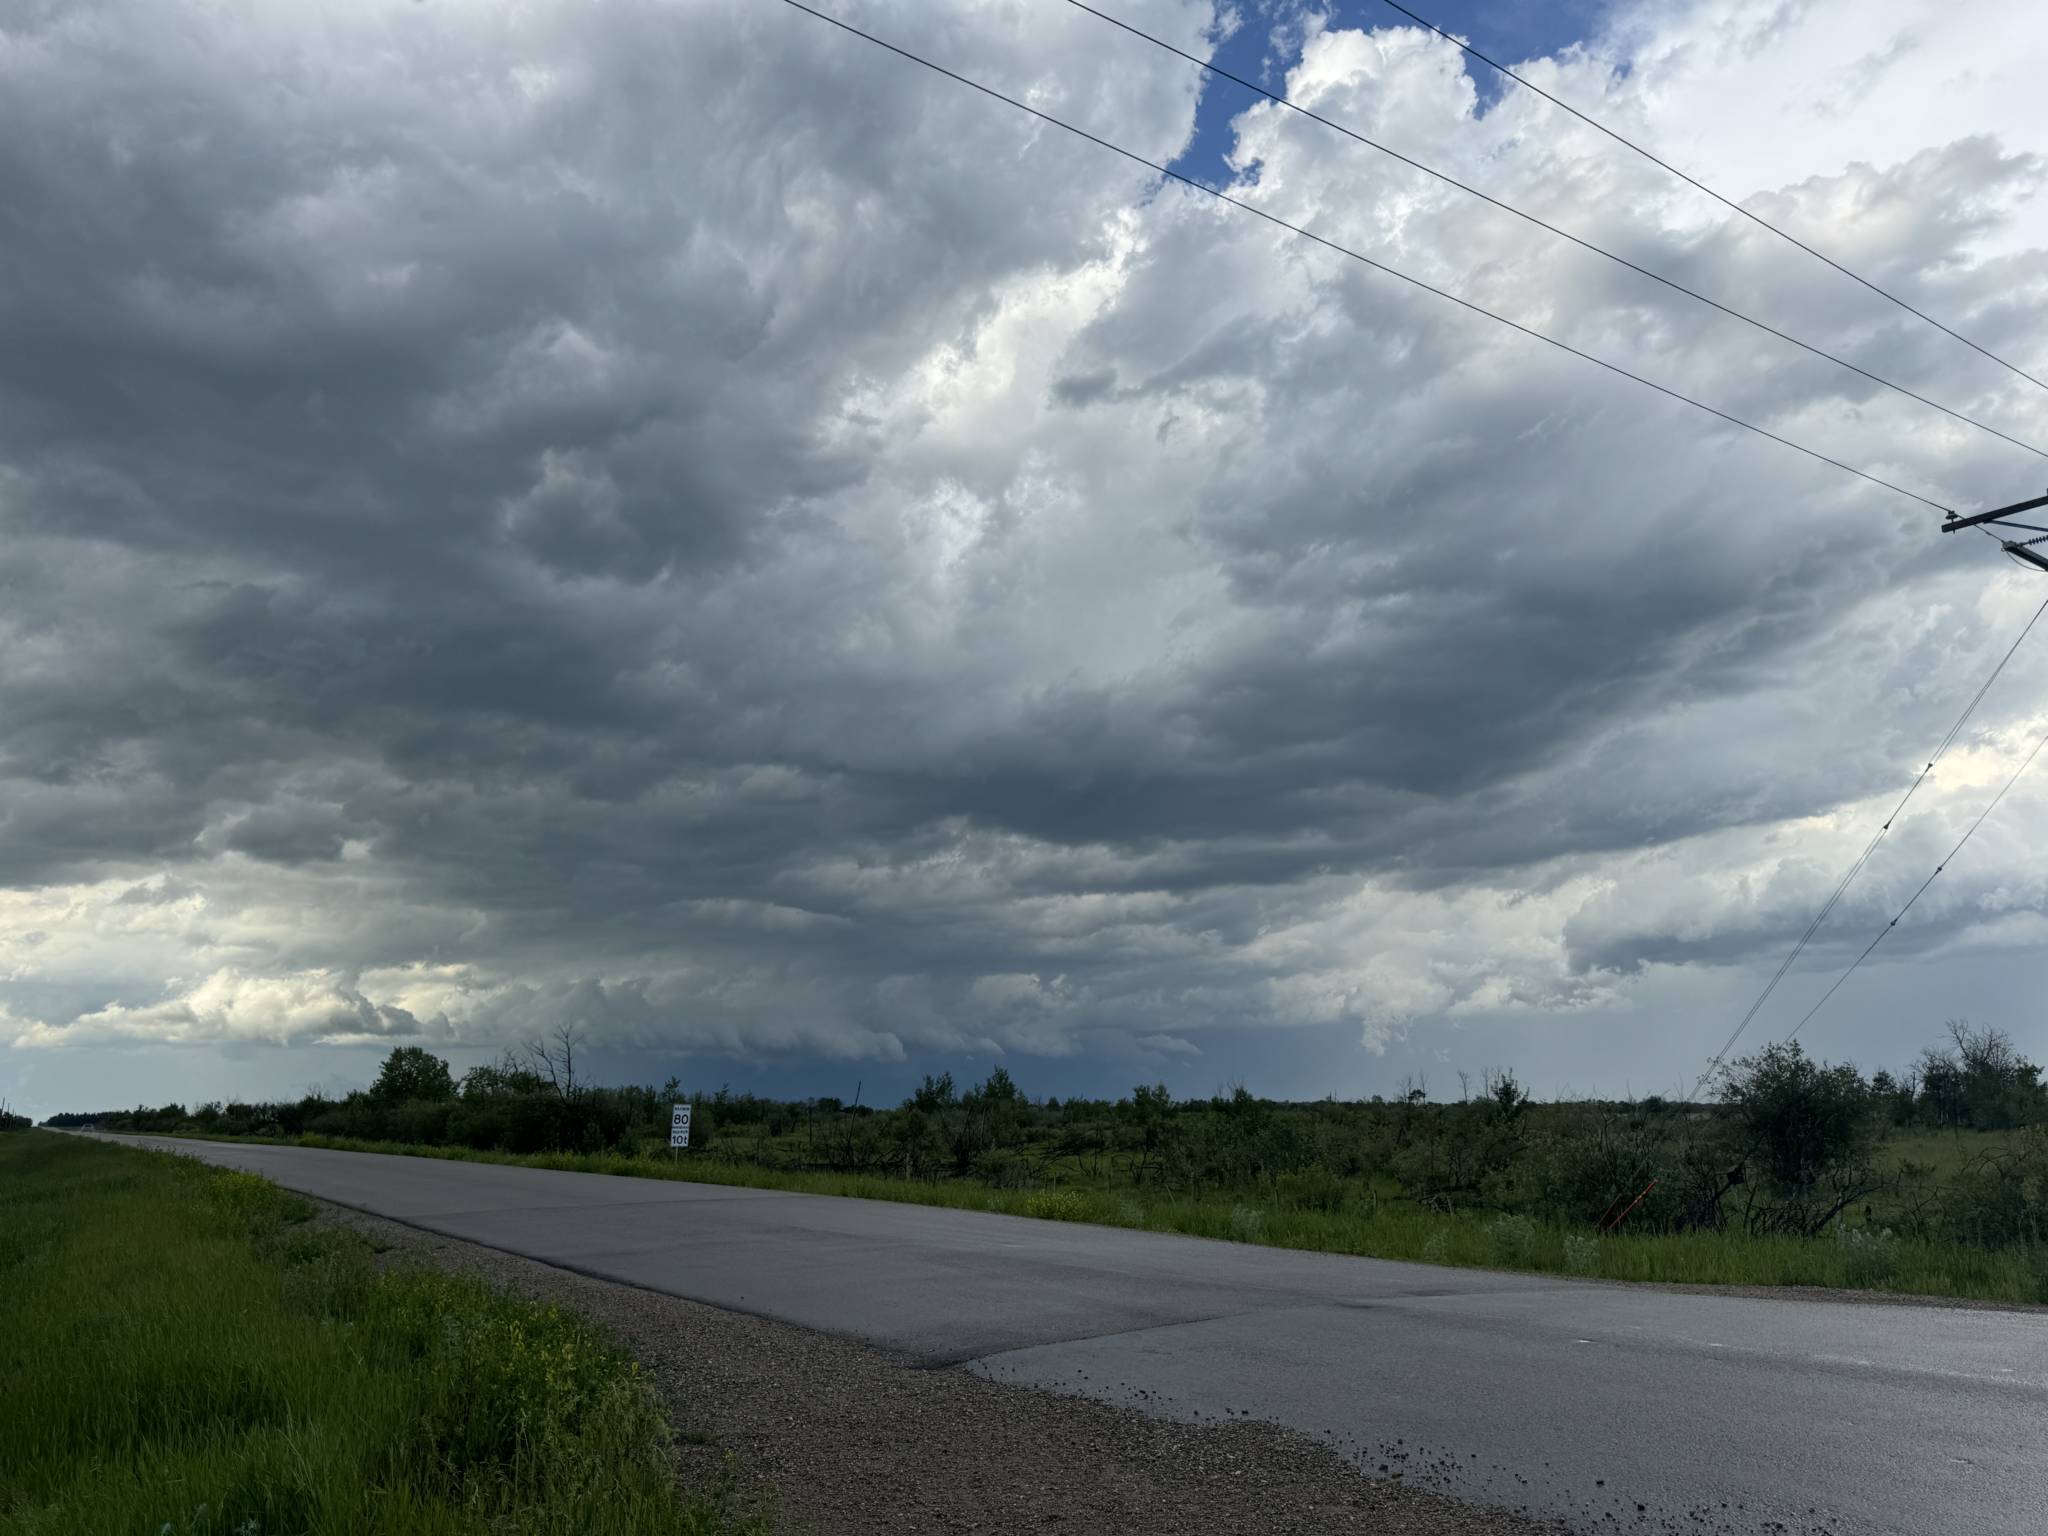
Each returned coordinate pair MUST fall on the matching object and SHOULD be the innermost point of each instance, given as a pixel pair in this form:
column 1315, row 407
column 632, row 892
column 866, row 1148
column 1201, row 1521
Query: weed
column 1057, row 1205
column 1514, row 1240
column 1869, row 1257
column 1316, row 1190
column 182, row 1354
column 1247, row 1224
column 1581, row 1253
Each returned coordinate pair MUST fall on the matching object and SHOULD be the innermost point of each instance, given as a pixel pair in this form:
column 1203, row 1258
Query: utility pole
column 2019, row 549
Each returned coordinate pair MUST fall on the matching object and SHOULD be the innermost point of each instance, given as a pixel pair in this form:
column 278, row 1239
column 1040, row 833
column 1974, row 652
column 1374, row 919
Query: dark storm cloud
column 663, row 516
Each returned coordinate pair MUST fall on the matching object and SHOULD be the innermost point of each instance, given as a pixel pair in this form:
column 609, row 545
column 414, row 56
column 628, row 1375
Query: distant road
column 1577, row 1399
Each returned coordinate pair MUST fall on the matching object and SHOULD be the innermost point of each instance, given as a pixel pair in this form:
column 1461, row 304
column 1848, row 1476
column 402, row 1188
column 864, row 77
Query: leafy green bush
column 1000, row 1168
column 1581, row 1253
column 1247, row 1224
column 2001, row 1198
column 1057, row 1205
column 1513, row 1239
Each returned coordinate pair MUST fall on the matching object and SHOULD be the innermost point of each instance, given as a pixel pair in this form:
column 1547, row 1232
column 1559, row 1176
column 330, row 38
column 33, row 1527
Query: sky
column 666, row 518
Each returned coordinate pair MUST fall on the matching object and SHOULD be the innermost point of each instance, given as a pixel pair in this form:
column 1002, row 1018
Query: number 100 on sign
column 679, row 1126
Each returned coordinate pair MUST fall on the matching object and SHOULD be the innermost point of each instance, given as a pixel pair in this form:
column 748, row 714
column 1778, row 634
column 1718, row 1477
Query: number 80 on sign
column 679, row 1126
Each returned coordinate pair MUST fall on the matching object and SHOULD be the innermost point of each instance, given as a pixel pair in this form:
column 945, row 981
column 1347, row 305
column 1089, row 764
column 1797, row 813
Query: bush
column 1578, row 1172
column 1247, row 1225
column 1868, row 1257
column 421, row 1122
column 1582, row 1253
column 330, row 1122
column 1057, row 1205
column 1514, row 1239
column 2002, row 1199
column 1316, row 1190
column 1001, row 1168
column 1437, row 1249
column 480, row 1124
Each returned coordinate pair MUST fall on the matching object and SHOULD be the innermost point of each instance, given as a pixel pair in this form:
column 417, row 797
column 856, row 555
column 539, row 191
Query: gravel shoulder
column 828, row 1435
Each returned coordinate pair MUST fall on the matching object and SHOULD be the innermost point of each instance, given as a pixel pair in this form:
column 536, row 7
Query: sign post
column 679, row 1128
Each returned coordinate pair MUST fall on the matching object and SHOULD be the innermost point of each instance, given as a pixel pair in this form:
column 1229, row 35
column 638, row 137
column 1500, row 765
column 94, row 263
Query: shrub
column 1868, row 1257
column 1514, row 1239
column 421, row 1122
column 1437, row 1249
column 1247, row 1225
column 481, row 1124
column 1000, row 1168
column 1316, row 1190
column 1576, row 1172
column 329, row 1122
column 1057, row 1205
column 2002, row 1200
column 1582, row 1253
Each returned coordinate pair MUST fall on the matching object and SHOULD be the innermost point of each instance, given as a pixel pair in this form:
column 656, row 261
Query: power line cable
column 1856, row 868
column 1562, row 234
column 1359, row 256
column 1643, row 1162
column 1694, row 182
column 2027, row 763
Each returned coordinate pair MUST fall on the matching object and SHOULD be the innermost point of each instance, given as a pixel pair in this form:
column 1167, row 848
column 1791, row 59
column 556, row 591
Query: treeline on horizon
column 1787, row 1145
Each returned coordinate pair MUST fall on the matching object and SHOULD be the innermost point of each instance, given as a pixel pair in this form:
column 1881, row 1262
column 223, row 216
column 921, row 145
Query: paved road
column 1612, row 1407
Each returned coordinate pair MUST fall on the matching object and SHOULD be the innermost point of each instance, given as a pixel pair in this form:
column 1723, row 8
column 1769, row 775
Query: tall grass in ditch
column 184, row 1356
column 1351, row 1221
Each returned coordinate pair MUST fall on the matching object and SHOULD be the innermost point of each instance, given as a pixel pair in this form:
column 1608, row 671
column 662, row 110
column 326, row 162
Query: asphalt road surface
column 1609, row 1406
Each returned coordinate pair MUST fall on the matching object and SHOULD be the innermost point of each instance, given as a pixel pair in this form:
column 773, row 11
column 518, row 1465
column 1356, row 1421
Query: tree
column 1150, row 1113
column 1808, row 1130
column 934, row 1096
column 1980, row 1080
column 411, row 1074
column 1505, row 1097
column 507, row 1077
column 554, row 1057
column 2001, row 1088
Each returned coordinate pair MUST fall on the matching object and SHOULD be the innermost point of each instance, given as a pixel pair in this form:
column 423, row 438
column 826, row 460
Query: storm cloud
column 666, row 516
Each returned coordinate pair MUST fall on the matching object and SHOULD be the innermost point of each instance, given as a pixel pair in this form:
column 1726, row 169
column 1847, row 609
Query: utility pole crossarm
column 2017, row 507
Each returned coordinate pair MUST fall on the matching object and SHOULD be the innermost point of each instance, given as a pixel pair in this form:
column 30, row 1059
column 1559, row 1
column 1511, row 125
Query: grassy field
column 1378, row 1228
column 184, row 1356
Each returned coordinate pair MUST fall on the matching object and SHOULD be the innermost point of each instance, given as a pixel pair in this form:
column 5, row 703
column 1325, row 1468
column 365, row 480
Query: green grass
column 1946, row 1152
column 183, row 1356
column 1370, row 1226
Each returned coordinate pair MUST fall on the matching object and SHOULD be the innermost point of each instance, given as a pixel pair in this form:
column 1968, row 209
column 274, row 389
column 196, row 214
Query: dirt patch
column 834, row 1436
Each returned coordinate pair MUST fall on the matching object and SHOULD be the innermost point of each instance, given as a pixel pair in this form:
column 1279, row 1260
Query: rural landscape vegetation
column 1788, row 1171
column 261, row 1371
column 988, row 540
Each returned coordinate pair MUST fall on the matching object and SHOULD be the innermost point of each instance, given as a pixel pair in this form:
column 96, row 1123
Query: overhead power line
column 1961, row 842
column 1563, row 234
column 1359, row 256
column 1856, row 868
column 1694, row 182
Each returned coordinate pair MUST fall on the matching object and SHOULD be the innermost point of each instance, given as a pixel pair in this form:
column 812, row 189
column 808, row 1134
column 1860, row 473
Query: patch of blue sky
column 1263, row 40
